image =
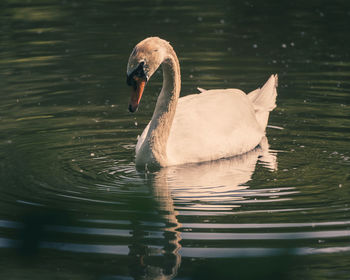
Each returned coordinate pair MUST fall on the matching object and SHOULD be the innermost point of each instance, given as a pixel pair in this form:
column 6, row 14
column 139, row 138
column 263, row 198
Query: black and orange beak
column 138, row 85
column 137, row 80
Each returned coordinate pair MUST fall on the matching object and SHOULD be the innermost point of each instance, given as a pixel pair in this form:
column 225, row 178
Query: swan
column 210, row 125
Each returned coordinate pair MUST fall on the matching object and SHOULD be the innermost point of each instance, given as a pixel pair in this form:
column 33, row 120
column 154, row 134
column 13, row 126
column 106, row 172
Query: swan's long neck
column 156, row 140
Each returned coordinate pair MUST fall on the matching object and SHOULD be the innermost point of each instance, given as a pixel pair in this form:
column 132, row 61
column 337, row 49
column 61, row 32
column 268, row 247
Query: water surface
column 73, row 205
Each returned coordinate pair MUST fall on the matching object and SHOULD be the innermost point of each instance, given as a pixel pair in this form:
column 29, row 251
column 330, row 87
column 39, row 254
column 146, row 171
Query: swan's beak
column 136, row 93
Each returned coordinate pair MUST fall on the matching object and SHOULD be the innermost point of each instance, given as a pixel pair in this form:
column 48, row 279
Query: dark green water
column 73, row 206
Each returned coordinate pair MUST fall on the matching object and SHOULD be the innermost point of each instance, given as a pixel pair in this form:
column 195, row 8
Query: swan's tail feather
column 264, row 100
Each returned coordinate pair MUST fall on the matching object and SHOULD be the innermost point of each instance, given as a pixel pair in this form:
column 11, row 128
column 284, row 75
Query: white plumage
column 200, row 127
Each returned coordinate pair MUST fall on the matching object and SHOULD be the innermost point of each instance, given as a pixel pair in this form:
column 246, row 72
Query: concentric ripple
column 74, row 206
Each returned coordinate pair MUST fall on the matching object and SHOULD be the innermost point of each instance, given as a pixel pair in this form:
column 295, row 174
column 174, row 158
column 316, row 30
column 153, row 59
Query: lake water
column 73, row 205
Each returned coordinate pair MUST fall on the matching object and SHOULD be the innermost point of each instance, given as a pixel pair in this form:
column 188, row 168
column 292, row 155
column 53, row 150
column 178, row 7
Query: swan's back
column 211, row 125
column 220, row 123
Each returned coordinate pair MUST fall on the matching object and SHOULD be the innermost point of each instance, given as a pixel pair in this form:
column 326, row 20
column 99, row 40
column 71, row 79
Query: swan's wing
column 212, row 125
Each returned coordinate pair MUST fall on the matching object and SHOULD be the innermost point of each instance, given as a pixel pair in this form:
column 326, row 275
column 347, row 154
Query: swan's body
column 199, row 127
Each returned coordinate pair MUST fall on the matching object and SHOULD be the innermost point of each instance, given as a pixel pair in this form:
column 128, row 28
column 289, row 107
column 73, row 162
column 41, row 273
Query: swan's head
column 143, row 62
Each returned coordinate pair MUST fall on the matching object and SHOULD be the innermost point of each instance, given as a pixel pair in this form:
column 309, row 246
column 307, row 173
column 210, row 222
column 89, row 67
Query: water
column 73, row 205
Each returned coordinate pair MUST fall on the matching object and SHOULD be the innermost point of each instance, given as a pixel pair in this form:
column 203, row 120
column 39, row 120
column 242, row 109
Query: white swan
column 198, row 127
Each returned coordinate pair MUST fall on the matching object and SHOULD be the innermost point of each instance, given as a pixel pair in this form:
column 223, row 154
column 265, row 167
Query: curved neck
column 164, row 112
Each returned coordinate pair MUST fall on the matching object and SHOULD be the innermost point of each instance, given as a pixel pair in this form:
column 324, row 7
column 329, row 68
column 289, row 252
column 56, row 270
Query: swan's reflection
column 216, row 180
column 161, row 261
column 204, row 182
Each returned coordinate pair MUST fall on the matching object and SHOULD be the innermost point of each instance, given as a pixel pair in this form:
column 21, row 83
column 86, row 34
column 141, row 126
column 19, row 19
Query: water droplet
column 284, row 46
